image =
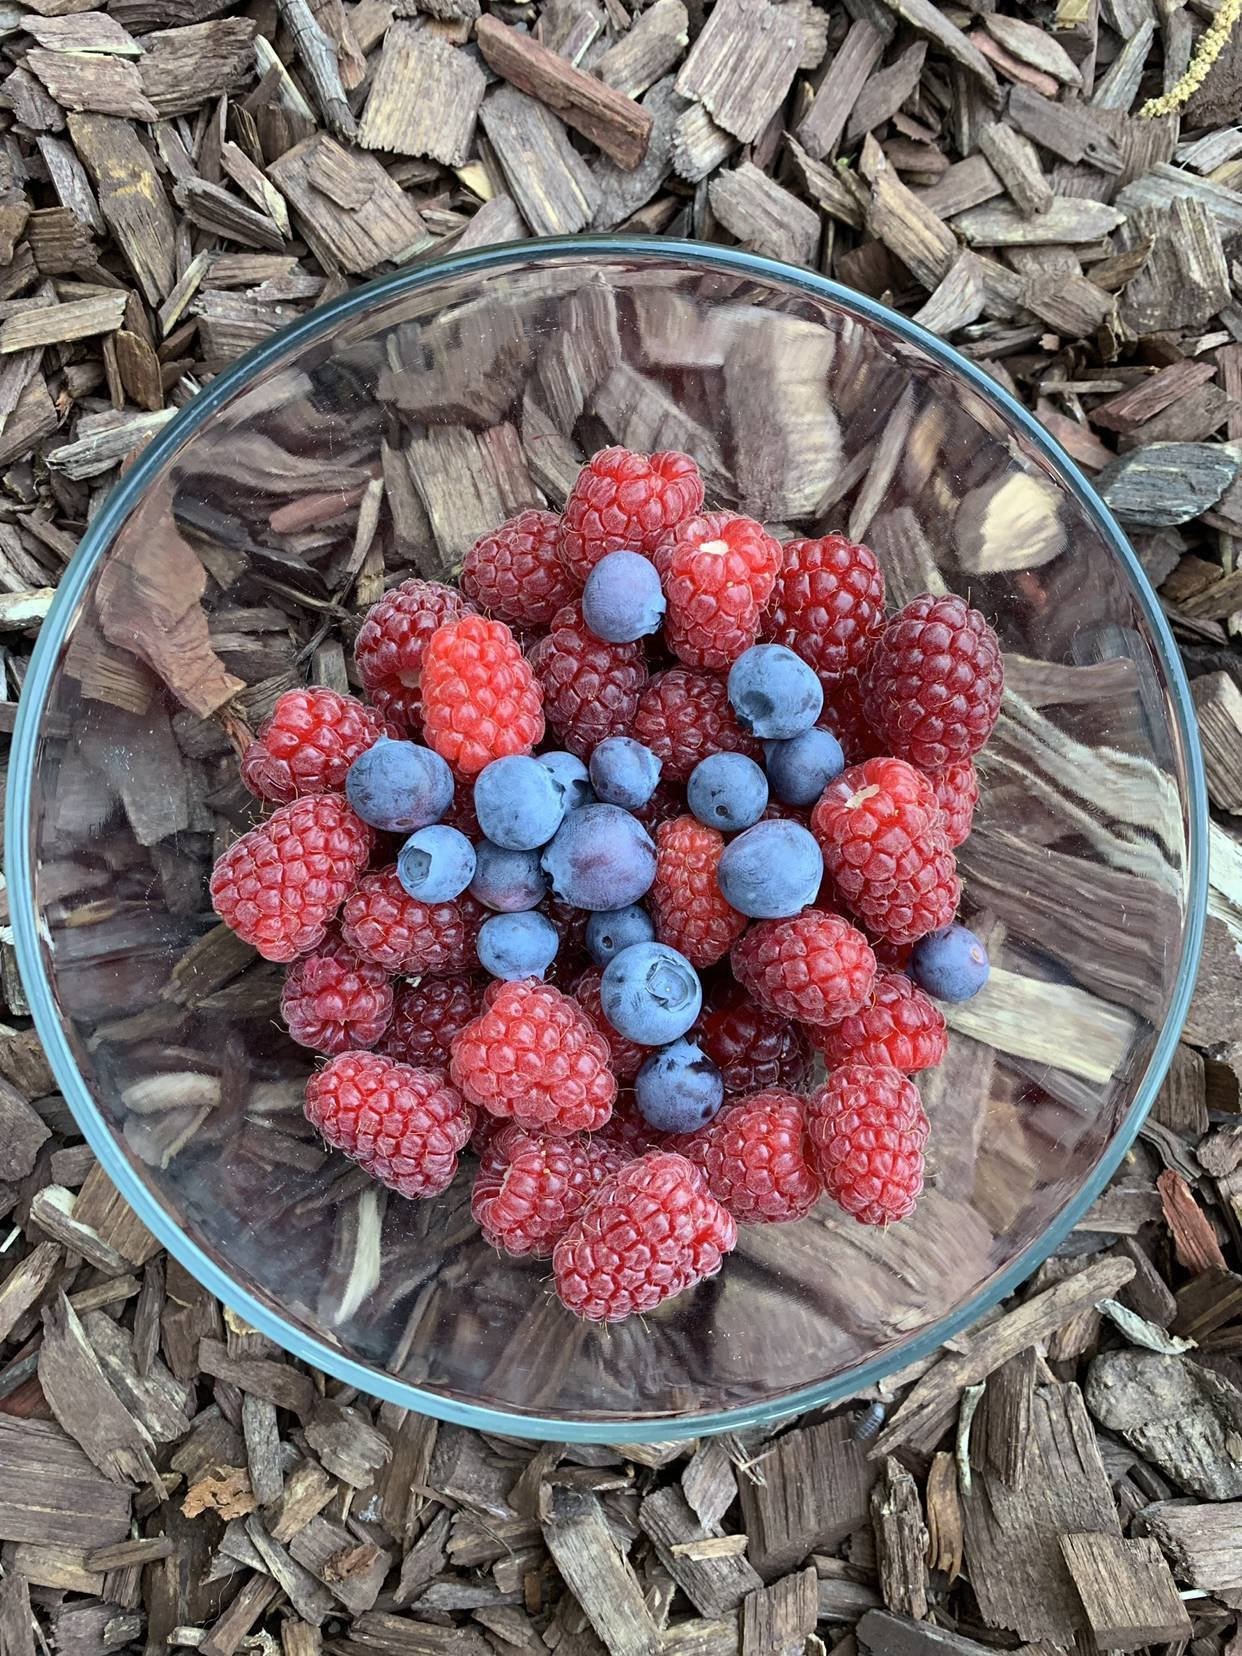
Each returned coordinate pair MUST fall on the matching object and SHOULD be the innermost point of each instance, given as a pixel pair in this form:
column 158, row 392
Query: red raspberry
column 279, row 886
column 686, row 905
column 754, row 1158
column 383, row 923
column 333, row 1002
column 480, row 699
column 534, row 1054
column 866, row 1129
column 515, row 574
column 570, row 922
column 427, row 1015
column 530, row 1188
column 393, row 640
column 828, row 606
column 885, row 848
column 626, row 502
column 683, row 716
column 627, row 1131
column 590, row 688
column 308, row 744
column 814, row 967
column 843, row 715
column 652, row 1230
column 718, row 572
column 934, row 681
column 957, row 793
column 627, row 1056
column 899, row 1028
column 403, row 1126
column 755, row 1050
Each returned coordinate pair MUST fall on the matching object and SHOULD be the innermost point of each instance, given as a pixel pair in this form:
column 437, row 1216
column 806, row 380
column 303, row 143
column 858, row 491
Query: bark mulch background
column 180, row 177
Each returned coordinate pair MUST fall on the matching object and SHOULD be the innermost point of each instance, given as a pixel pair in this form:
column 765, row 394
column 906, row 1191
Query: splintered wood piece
column 781, row 1617
column 596, row 1571
column 182, row 68
column 1184, row 281
column 886, row 91
column 350, row 210
column 550, row 181
column 131, row 199
column 1218, row 706
column 1071, row 304
column 824, row 122
column 1194, row 1240
column 825, row 185
column 1118, row 88
column 286, row 1387
column 709, row 1482
column 1002, row 1423
column 84, row 1403
column 714, row 1584
column 698, row 145
column 1071, row 130
column 880, row 1633
column 648, row 49
column 51, row 1494
column 1033, row 45
column 1179, row 1415
column 91, row 81
column 896, row 216
column 88, row 31
column 956, row 301
column 1053, row 1023
column 755, row 209
column 17, row 1625
column 742, row 64
column 1152, row 395
column 1127, row 1591
column 944, row 1517
column 926, row 18
column 22, row 1132
column 1016, row 164
column 1066, row 221
column 623, row 191
column 26, row 1282
column 213, row 209
column 1162, row 184
column 352, row 1572
column 1203, row 1543
column 1165, row 484
column 424, row 99
column 61, row 324
column 900, row 1540
column 101, row 1206
column 816, row 1490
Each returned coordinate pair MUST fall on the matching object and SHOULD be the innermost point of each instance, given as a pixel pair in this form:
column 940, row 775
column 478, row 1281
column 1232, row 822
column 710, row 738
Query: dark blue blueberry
column 518, row 945
column 612, row 930
column 601, row 858
column 507, row 880
column 624, row 772
column 399, row 786
column 436, row 864
column 570, row 776
column 727, row 791
column 772, row 870
column 650, row 993
column 800, row 768
column 622, row 599
column 951, row 964
column 774, row 693
column 518, row 803
column 678, row 1089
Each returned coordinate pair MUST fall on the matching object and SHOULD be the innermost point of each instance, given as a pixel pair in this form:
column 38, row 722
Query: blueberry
column 800, row 768
column 678, row 1089
column 570, row 776
column 611, row 930
column 772, row 870
column 518, row 945
column 951, row 964
column 622, row 600
column 774, row 693
column 600, row 858
column 399, row 786
column 518, row 803
column 650, row 993
column 727, row 791
column 507, row 880
column 624, row 772
column 436, row 864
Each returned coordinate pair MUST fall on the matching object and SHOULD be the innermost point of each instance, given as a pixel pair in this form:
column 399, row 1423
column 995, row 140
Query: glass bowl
column 378, row 437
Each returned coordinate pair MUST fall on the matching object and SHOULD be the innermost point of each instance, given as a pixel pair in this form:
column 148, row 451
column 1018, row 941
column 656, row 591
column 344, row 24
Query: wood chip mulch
column 178, row 178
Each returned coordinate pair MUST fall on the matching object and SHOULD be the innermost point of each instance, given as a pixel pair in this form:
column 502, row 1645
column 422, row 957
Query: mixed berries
column 633, row 876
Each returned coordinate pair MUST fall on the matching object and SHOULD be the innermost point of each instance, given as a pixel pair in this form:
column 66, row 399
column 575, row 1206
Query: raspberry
column 828, row 606
column 627, row 1131
column 652, row 1230
column 934, row 681
column 843, row 715
column 308, row 744
column 626, row 502
column 426, row 1016
column 754, row 1159
column 480, row 699
column 866, row 1129
column 884, row 845
column 683, row 716
column 628, row 1057
column 754, row 1050
column 899, row 1028
column 393, row 640
column 686, row 904
column 381, row 922
column 514, row 573
column 333, row 1002
column 815, row 967
column 403, row 1126
column 957, row 793
column 280, row 886
column 535, row 1055
column 718, row 572
column 530, row 1188
column 668, row 801
column 590, row 689
column 570, row 922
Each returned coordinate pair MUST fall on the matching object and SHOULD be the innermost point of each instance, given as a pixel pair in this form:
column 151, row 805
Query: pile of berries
column 688, row 828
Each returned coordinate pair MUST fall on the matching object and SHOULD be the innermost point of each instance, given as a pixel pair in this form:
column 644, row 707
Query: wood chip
column 1167, row 483
column 1014, row 160
column 1179, row 1415
column 1184, row 281
column 1218, row 707
column 648, row 49
column 550, row 182
column 102, row 84
column 900, row 1541
column 424, row 98
column 52, row 1493
column 742, row 64
column 816, row 1490
column 348, row 207
column 593, row 1565
column 131, row 199
column 778, row 1620
column 715, row 1583
column 759, row 213
column 1204, row 1543
column 1127, row 1590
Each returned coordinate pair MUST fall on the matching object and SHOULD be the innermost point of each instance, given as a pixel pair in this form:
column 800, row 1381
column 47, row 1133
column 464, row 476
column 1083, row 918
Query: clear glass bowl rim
column 709, row 259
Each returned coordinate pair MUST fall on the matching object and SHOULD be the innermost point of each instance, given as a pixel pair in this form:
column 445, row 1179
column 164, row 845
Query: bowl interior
column 376, row 441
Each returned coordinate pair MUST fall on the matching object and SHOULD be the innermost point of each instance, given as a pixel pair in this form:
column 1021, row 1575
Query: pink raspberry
column 957, row 793
column 308, row 744
column 814, row 967
column 866, row 1129
column 899, row 1028
column 381, row 922
column 718, row 572
column 333, row 1002
column 934, row 681
column 828, row 606
column 689, row 912
column 515, row 574
column 480, row 699
column 754, row 1158
column 755, row 1050
column 427, row 1015
column 393, row 640
column 530, row 1187
column 626, row 502
column 403, row 1126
